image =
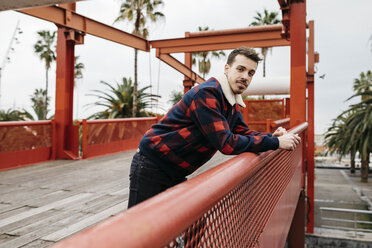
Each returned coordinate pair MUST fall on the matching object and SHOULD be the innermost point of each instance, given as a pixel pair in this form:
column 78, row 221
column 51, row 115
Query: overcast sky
column 342, row 31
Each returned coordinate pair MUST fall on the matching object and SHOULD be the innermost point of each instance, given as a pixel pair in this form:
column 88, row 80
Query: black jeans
column 147, row 180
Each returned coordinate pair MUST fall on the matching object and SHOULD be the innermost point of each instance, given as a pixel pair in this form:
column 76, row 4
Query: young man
column 207, row 119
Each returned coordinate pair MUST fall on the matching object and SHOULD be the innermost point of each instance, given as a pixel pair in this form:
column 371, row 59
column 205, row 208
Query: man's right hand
column 289, row 141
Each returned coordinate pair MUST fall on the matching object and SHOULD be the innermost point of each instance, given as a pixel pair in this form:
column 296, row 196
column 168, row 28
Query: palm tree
column 118, row 103
column 204, row 62
column 11, row 115
column 45, row 48
column 360, row 126
column 265, row 19
column 137, row 12
column 352, row 130
column 79, row 67
column 336, row 137
column 175, row 97
column 363, row 83
column 39, row 105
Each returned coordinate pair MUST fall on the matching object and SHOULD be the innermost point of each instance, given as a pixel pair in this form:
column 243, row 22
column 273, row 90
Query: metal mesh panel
column 99, row 133
column 260, row 111
column 19, row 138
column 238, row 219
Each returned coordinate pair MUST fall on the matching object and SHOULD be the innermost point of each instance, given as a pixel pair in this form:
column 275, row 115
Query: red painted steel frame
column 68, row 18
column 100, row 149
column 298, row 62
column 157, row 221
column 16, row 159
column 264, row 36
column 310, row 131
column 64, row 96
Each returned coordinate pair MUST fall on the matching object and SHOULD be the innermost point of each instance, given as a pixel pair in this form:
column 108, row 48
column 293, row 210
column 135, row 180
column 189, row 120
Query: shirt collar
column 231, row 97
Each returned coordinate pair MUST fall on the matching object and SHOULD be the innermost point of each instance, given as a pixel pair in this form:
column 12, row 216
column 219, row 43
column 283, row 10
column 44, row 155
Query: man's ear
column 227, row 67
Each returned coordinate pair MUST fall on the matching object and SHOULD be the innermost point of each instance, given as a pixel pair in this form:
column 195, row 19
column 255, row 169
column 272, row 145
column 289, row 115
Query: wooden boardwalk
column 47, row 202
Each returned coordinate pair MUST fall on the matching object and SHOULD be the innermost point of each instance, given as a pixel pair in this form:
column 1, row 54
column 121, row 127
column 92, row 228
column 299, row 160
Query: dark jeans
column 147, row 180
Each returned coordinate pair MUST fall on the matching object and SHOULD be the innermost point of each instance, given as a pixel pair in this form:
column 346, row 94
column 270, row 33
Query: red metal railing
column 248, row 201
column 269, row 125
column 26, row 142
column 101, row 137
column 258, row 113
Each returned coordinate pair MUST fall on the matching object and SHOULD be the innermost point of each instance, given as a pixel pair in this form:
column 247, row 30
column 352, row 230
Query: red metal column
column 298, row 61
column 296, row 236
column 310, row 129
column 187, row 82
column 64, row 91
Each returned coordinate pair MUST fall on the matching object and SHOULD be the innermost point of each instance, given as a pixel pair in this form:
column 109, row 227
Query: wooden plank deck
column 44, row 203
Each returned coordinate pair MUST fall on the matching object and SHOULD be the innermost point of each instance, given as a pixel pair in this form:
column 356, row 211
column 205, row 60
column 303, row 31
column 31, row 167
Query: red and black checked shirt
column 196, row 127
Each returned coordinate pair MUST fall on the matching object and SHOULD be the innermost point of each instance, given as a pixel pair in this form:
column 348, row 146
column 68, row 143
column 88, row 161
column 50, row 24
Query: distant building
column 319, row 144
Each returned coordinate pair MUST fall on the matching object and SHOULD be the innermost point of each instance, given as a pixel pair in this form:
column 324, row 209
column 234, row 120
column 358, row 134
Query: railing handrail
column 182, row 204
column 281, row 121
column 119, row 120
column 24, row 123
column 347, row 210
column 264, row 100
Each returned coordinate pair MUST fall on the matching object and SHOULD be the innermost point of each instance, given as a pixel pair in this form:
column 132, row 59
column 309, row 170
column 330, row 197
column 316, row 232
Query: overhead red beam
column 224, row 46
column 266, row 36
column 70, row 19
column 171, row 61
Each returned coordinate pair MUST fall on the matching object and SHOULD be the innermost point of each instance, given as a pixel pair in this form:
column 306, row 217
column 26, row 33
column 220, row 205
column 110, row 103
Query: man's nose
column 245, row 76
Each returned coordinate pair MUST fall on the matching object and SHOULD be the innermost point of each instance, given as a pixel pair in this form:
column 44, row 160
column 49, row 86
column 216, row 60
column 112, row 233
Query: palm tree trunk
column 352, row 162
column 46, row 94
column 364, row 171
column 135, row 86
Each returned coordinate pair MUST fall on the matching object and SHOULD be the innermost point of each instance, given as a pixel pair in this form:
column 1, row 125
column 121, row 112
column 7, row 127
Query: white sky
column 342, row 30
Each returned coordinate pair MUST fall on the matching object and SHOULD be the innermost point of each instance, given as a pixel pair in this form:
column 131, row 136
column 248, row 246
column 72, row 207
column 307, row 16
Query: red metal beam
column 171, row 61
column 69, row 19
column 266, row 36
column 298, row 63
column 187, row 82
column 310, row 131
column 64, row 95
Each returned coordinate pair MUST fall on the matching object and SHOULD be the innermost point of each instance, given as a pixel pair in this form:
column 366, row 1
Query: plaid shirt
column 196, row 127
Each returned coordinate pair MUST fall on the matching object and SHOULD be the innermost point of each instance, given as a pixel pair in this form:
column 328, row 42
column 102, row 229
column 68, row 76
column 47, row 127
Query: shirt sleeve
column 205, row 111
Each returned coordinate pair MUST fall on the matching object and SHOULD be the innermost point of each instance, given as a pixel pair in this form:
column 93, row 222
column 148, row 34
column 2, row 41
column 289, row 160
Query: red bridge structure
column 251, row 200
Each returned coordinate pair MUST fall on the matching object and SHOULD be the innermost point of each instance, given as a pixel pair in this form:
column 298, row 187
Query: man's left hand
column 279, row 132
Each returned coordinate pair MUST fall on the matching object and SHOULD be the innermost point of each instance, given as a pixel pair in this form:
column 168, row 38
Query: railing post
column 84, row 139
column 268, row 125
column 296, row 235
column 54, row 141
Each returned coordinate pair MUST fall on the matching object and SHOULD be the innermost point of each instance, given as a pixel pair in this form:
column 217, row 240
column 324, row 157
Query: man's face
column 240, row 73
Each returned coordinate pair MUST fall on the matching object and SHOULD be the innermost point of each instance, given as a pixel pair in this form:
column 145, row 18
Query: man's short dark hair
column 246, row 51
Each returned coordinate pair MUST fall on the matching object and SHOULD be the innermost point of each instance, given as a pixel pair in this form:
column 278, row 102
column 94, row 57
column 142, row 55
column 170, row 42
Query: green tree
column 79, row 67
column 118, row 103
column 175, row 97
column 204, row 62
column 335, row 139
column 363, row 83
column 351, row 132
column 38, row 105
column 265, row 19
column 11, row 115
column 138, row 12
column 45, row 48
